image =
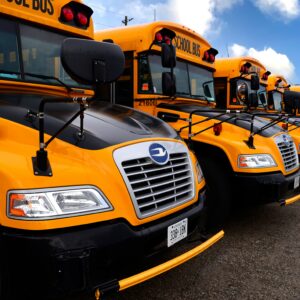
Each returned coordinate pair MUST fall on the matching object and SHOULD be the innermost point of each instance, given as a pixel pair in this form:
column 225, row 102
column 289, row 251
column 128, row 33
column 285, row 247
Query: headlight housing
column 256, row 161
column 56, row 202
column 199, row 172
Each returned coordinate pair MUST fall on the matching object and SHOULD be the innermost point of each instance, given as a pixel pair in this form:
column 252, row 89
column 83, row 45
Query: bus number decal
column 44, row 6
column 147, row 102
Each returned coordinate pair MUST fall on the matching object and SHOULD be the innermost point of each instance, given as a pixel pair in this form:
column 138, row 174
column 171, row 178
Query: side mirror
column 168, row 84
column 253, row 100
column 91, row 62
column 254, row 82
column 291, row 101
column 206, row 90
column 168, row 56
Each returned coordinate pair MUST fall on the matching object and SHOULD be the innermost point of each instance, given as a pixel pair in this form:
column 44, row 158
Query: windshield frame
column 148, row 89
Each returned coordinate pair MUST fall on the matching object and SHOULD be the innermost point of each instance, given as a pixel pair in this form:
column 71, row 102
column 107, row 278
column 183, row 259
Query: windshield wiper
column 44, row 77
column 203, row 98
column 182, row 93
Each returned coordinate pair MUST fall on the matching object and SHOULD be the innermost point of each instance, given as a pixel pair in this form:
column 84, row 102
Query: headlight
column 199, row 172
column 56, row 202
column 256, row 161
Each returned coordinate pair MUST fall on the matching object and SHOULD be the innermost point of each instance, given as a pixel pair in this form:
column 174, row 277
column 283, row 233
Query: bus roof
column 231, row 66
column 295, row 88
column 46, row 13
column 189, row 44
column 276, row 81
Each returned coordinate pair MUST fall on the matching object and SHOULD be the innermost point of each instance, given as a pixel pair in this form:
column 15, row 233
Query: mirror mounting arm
column 41, row 164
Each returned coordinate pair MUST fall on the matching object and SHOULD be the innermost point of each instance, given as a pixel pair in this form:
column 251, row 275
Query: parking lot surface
column 257, row 259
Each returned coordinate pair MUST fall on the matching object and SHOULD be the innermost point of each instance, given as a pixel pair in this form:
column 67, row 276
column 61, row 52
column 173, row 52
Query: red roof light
column 211, row 57
column 206, row 56
column 158, row 37
column 82, row 19
column 167, row 40
column 68, row 14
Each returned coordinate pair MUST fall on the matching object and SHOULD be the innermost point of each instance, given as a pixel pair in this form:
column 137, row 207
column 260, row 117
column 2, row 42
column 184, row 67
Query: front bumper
column 274, row 187
column 101, row 257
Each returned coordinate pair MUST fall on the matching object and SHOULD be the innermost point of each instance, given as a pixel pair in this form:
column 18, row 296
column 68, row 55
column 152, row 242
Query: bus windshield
column 26, row 49
column 191, row 81
column 276, row 102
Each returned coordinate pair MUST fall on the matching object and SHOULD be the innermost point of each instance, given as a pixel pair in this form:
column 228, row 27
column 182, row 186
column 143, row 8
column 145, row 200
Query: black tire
column 219, row 191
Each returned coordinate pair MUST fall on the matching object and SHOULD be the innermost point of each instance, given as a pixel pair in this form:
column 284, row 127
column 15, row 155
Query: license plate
column 296, row 182
column 177, row 232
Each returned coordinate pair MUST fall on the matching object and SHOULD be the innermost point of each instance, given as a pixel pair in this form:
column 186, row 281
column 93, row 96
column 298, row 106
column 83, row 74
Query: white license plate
column 177, row 232
column 296, row 182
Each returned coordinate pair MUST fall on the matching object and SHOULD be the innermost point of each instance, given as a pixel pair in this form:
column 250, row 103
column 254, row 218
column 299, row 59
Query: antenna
column 227, row 50
column 126, row 20
column 154, row 14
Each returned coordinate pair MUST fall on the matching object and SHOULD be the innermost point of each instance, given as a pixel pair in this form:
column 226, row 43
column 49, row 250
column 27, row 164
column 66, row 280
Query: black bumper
column 274, row 187
column 75, row 261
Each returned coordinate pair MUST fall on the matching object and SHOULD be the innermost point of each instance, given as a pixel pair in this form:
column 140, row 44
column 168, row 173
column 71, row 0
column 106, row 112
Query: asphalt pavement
column 258, row 258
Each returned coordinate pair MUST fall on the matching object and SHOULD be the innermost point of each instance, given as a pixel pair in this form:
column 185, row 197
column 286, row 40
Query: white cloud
column 275, row 62
column 286, row 10
column 201, row 16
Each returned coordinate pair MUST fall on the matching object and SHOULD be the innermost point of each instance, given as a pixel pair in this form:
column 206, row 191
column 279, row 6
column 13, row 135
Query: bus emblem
column 158, row 154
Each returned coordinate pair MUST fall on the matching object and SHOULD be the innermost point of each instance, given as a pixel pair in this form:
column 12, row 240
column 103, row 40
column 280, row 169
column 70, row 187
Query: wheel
column 219, row 191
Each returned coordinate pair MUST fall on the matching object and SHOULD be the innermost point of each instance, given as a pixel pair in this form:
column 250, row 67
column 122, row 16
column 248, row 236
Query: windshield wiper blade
column 203, row 98
column 44, row 77
column 182, row 93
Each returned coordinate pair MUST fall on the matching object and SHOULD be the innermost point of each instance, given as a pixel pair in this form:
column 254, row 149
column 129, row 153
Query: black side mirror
column 254, row 82
column 206, row 90
column 168, row 84
column 168, row 56
column 91, row 62
column 291, row 100
column 253, row 100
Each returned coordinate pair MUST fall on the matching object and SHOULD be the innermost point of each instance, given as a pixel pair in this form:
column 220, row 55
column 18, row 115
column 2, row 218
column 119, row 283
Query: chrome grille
column 155, row 188
column 288, row 152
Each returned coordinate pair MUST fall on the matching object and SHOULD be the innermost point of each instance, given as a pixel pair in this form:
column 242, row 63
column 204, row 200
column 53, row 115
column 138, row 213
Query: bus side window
column 124, row 85
column 221, row 92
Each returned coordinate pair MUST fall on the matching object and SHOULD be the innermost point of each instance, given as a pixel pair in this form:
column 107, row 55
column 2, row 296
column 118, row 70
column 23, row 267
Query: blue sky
column 264, row 29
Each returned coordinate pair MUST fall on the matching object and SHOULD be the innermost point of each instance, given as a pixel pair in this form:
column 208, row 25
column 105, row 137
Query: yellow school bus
column 240, row 156
column 294, row 93
column 232, row 80
column 269, row 94
column 92, row 193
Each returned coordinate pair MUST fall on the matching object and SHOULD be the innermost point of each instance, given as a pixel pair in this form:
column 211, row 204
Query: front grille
column 288, row 152
column 155, row 188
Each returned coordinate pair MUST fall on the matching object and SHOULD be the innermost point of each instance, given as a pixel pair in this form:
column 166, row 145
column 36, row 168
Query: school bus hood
column 104, row 124
column 243, row 120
